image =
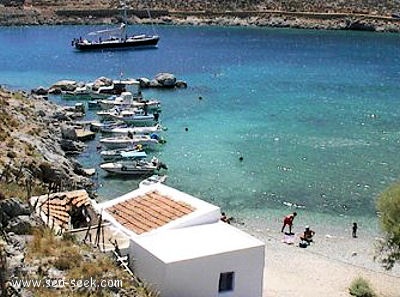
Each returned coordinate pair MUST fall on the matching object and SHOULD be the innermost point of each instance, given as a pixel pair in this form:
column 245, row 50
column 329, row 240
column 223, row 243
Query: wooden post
column 3, row 272
column 102, row 234
column 19, row 172
column 97, row 240
column 88, row 234
column 48, row 207
column 28, row 185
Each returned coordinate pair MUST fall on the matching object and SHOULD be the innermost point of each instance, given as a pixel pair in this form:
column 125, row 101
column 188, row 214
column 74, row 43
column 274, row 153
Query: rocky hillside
column 371, row 15
column 33, row 162
column 31, row 154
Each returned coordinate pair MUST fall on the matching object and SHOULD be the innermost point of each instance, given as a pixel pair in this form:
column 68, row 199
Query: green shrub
column 361, row 288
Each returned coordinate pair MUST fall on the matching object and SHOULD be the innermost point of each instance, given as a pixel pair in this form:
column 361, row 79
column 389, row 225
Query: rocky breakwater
column 162, row 80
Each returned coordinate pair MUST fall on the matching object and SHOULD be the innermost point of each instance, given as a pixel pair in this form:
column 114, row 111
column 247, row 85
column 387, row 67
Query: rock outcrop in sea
column 162, row 80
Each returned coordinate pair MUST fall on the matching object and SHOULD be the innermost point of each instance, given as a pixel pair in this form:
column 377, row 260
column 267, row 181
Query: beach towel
column 288, row 238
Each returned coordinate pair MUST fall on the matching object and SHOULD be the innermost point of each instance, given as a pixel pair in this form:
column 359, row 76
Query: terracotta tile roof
column 147, row 212
column 59, row 205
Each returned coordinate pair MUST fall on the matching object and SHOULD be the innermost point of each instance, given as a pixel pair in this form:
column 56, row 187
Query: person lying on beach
column 230, row 220
column 307, row 235
column 225, row 219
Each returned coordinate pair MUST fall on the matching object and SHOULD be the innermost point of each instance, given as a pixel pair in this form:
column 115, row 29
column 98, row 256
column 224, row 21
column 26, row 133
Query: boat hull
column 129, row 168
column 134, row 130
column 133, row 171
column 154, row 179
column 131, row 43
column 115, row 155
column 120, row 143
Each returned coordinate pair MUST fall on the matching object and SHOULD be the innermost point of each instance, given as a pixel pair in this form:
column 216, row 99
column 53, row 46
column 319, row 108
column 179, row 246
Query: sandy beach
column 326, row 267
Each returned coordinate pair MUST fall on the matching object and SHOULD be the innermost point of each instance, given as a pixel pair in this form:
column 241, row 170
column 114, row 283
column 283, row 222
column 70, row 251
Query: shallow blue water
column 314, row 114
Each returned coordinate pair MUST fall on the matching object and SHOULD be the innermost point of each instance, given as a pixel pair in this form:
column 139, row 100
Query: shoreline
column 326, row 19
column 328, row 265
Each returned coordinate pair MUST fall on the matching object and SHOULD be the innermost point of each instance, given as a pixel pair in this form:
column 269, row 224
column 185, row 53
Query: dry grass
column 78, row 262
column 9, row 190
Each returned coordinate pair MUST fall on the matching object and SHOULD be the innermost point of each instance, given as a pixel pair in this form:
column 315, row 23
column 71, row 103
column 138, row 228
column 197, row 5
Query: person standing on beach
column 288, row 220
column 354, row 230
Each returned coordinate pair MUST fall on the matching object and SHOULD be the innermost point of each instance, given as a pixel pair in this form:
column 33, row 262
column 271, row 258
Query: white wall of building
column 146, row 266
column 200, row 277
column 188, row 262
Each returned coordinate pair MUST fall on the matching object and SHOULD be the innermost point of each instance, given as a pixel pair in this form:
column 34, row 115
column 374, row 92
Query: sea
column 272, row 121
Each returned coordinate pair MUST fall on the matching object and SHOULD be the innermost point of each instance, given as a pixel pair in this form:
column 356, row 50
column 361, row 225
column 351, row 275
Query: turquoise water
column 314, row 114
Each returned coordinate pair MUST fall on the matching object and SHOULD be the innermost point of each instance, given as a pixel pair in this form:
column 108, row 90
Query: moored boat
column 147, row 141
column 103, row 88
column 136, row 167
column 93, row 105
column 116, row 41
column 134, row 130
column 99, row 126
column 127, row 100
column 115, row 38
column 154, row 179
column 126, row 154
column 80, row 93
column 134, row 116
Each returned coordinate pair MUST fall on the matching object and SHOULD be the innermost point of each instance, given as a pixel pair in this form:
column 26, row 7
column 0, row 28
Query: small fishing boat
column 149, row 105
column 136, row 167
column 147, row 141
column 131, row 116
column 93, row 105
column 134, row 130
column 114, row 155
column 134, row 116
column 99, row 126
column 79, row 93
column 75, row 111
column 129, row 100
column 151, row 180
column 103, row 88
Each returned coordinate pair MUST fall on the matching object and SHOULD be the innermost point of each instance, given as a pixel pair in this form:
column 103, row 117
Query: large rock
column 144, row 82
column 181, row 84
column 68, row 132
column 64, row 85
column 17, row 242
column 40, row 91
column 11, row 208
column 20, row 225
column 155, row 84
column 69, row 145
column 102, row 81
column 166, row 80
column 359, row 25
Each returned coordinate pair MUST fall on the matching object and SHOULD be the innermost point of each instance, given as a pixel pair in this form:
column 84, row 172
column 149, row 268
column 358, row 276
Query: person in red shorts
column 288, row 220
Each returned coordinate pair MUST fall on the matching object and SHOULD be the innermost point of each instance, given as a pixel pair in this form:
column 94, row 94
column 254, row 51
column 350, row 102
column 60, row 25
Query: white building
column 179, row 245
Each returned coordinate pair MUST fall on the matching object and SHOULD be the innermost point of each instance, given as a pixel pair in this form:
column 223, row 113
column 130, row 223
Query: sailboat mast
column 124, row 20
column 124, row 12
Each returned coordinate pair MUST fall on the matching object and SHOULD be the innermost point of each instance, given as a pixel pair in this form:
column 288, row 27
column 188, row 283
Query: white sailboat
column 116, row 38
